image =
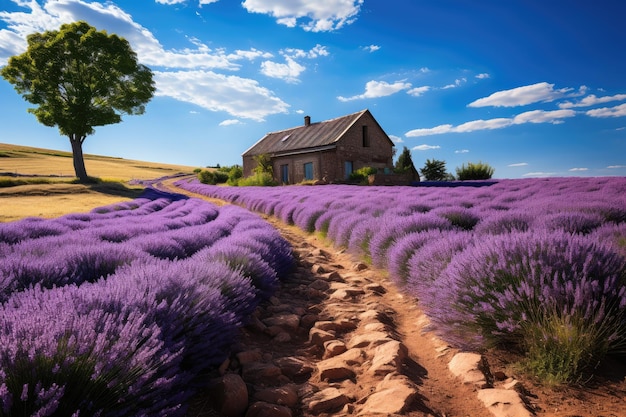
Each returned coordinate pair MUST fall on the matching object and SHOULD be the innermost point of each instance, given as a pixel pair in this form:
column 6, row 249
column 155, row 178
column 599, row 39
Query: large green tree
column 435, row 170
column 404, row 164
column 79, row 78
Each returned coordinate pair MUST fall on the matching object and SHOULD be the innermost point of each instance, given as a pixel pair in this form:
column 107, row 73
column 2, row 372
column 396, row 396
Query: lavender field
column 119, row 311
column 534, row 265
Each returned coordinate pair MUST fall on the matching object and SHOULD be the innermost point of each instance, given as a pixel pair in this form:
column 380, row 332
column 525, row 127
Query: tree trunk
column 77, row 156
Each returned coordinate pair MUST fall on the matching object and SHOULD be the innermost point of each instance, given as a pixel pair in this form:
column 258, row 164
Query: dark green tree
column 79, row 78
column 435, row 170
column 404, row 164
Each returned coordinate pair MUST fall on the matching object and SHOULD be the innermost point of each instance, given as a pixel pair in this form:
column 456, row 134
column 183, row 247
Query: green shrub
column 234, row 174
column 206, row 177
column 213, row 177
column 472, row 171
column 220, row 177
column 361, row 174
column 259, row 179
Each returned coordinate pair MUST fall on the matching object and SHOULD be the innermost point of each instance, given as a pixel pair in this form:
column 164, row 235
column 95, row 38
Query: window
column 284, row 174
column 348, row 168
column 366, row 138
column 308, row 171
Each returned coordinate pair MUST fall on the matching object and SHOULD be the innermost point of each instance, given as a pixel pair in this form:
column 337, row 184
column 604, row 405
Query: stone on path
column 328, row 400
column 469, row 368
column 393, row 395
column 503, row 403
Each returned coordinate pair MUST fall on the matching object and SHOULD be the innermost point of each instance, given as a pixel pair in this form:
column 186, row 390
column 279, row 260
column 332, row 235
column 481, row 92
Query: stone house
column 326, row 151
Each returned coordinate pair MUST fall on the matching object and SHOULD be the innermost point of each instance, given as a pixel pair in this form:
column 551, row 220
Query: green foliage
column 263, row 164
column 474, row 171
column 213, row 177
column 435, row 170
column 404, row 164
column 197, row 170
column 78, row 78
column 234, row 174
column 258, row 179
column 561, row 349
column 361, row 174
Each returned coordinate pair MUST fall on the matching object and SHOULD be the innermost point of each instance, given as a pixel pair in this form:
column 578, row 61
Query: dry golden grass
column 34, row 161
column 60, row 196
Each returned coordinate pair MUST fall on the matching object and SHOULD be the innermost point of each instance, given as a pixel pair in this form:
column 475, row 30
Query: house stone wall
column 379, row 153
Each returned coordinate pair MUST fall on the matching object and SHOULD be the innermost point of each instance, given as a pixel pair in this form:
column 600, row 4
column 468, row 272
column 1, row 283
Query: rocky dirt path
column 337, row 340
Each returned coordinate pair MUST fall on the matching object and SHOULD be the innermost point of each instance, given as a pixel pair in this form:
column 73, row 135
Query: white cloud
column 457, row 83
column 315, row 52
column 519, row 164
column 319, row 16
column 534, row 116
column 437, row 130
column 578, row 169
column 396, row 139
column 418, row 91
column 483, row 125
column 240, row 97
column 616, row 166
column 483, row 76
column 521, row 96
column 541, row 116
column 289, row 71
column 426, row 147
column 371, row 48
column 375, row 89
column 539, row 174
column 229, row 122
column 592, row 100
column 617, row 111
column 462, row 151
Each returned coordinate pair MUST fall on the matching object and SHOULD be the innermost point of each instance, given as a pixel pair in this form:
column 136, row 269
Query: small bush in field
column 259, row 179
column 474, row 171
column 360, row 175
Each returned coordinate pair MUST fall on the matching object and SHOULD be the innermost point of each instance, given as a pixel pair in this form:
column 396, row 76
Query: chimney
column 307, row 120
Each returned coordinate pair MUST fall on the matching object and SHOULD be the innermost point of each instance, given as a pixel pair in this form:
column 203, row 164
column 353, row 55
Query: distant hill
column 29, row 161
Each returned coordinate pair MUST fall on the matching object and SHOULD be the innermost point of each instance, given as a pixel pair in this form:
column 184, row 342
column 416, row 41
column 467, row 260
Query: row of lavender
column 531, row 264
column 119, row 311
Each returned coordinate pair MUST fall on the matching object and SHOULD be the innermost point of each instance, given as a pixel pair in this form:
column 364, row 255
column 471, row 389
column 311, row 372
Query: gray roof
column 314, row 136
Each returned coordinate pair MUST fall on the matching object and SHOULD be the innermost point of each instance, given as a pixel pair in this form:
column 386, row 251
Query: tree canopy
column 79, row 78
column 404, row 164
column 435, row 170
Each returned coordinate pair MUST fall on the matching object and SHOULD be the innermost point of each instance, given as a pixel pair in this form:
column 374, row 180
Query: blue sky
column 532, row 87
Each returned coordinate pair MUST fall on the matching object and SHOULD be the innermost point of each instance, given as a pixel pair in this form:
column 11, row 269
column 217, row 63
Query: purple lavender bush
column 558, row 297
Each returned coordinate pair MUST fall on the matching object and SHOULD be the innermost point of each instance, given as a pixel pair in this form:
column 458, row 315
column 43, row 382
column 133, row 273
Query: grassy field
column 27, row 175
